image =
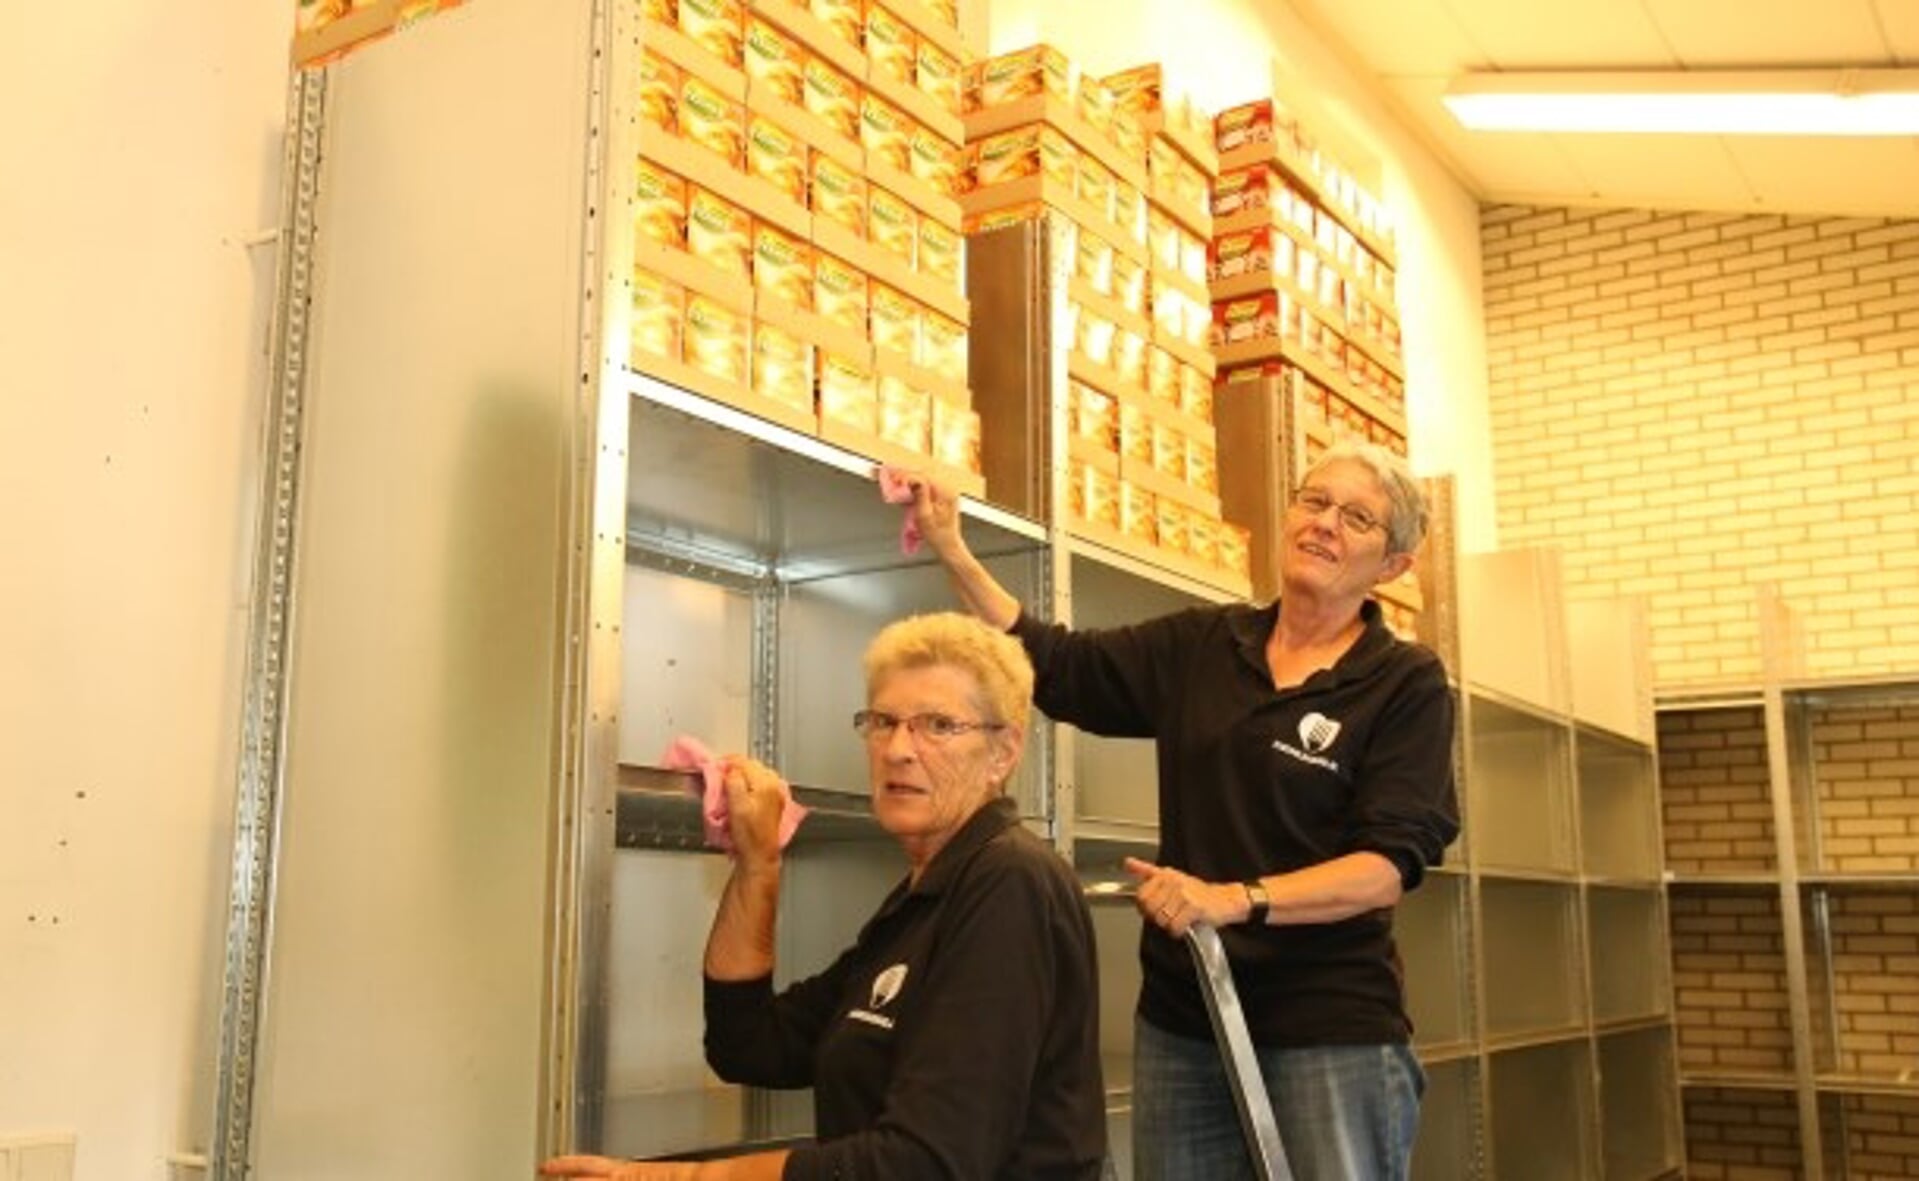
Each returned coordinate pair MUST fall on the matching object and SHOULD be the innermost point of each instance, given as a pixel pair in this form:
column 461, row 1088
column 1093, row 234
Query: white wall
column 139, row 144
column 1225, row 52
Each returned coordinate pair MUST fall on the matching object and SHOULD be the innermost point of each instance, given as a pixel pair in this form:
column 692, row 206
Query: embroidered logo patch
column 1317, row 732
column 886, row 987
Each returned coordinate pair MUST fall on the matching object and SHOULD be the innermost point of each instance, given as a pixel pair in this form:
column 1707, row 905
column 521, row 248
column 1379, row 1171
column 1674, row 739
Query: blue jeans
column 1345, row 1113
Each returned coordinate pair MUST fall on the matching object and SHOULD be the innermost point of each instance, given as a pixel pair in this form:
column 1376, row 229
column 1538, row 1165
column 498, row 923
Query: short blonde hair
column 949, row 639
column 1407, row 514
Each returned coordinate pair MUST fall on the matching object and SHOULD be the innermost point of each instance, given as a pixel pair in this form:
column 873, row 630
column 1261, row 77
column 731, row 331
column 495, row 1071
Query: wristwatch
column 1256, row 897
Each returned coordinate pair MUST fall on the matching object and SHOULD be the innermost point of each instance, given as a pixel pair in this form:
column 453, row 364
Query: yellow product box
column 1094, row 182
column 776, row 156
column 782, row 266
column 1093, row 495
column 1129, row 358
column 1195, row 394
column 1169, row 451
column 906, row 414
column 774, row 60
column 719, row 232
column 999, row 219
column 1129, row 283
column 1202, row 538
column 937, row 74
column 1169, row 310
column 1236, row 549
column 956, row 436
column 1190, row 186
column 665, row 12
column 1033, row 150
column 891, row 45
column 1095, row 103
column 1135, row 435
column 831, row 95
column 1246, row 252
column 885, row 132
column 939, row 252
column 1094, row 416
column 1169, row 523
column 893, row 225
column 1192, row 257
column 844, row 17
column 1136, row 92
column 1197, row 323
column 659, row 307
column 946, row 10
column 713, row 121
column 1010, row 77
column 660, row 83
column 1129, row 136
column 943, row 347
column 1137, row 518
column 1162, row 376
column 847, row 392
column 782, row 367
column 1202, row 465
column 717, row 26
column 1094, row 335
column 894, row 320
column 1162, row 165
column 935, row 161
column 1242, row 125
column 1129, row 210
column 716, row 339
column 659, row 202
column 839, row 193
column 839, row 292
column 1162, row 240
column 1093, row 262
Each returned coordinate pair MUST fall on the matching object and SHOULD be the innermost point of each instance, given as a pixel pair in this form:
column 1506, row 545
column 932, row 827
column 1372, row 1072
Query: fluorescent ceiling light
column 1714, row 102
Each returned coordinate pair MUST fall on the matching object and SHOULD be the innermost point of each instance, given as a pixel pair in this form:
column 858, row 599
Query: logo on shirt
column 886, row 986
column 1317, row 733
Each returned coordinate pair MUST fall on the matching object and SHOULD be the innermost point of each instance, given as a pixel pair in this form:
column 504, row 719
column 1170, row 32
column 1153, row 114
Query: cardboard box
column 665, row 12
column 659, row 309
column 1162, row 240
column 1024, row 73
column 839, row 193
column 1093, row 416
column 1192, row 256
column 1092, row 495
column 847, row 392
column 1136, row 92
column 1202, row 538
column 1244, row 190
column 1251, row 318
column 956, row 436
column 1094, row 184
column 1169, row 310
column 713, row 121
column 774, row 60
column 716, row 339
column 1129, row 283
column 1129, row 210
column 1094, row 102
column 719, row 232
column 1191, row 187
column 782, row 367
column 906, row 414
column 782, row 266
column 1169, row 451
column 943, row 347
column 1129, row 358
column 840, row 292
column 1248, row 124
column 935, row 161
column 891, row 45
column 1242, row 253
column 937, row 74
column 946, row 10
column 1033, row 150
column 659, row 205
column 894, row 321
column 893, row 225
column 940, row 252
column 1137, row 516
column 1195, row 394
column 1094, row 336
column 846, row 18
column 831, row 95
column 1202, row 465
column 1169, row 524
column 1093, row 262
column 776, row 156
column 717, row 26
column 1162, row 165
column 659, row 94
column 1162, row 376
column 1236, row 550
column 885, row 132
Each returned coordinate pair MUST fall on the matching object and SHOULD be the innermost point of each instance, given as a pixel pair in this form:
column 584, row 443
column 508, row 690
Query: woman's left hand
column 608, row 1169
column 1174, row 901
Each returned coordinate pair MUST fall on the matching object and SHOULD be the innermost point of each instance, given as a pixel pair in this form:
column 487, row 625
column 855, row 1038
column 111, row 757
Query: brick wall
column 1689, row 403
column 1714, row 794
column 1741, row 1135
column 1880, row 1133
column 1867, row 761
column 1729, row 981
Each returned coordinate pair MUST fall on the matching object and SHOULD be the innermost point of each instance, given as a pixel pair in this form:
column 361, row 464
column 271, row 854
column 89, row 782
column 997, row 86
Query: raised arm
column 740, row 946
column 936, row 511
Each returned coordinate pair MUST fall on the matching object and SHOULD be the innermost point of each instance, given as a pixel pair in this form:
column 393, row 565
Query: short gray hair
column 1407, row 517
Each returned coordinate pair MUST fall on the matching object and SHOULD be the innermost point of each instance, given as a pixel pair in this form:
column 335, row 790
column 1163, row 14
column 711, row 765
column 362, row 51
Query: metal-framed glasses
column 878, row 726
column 1357, row 518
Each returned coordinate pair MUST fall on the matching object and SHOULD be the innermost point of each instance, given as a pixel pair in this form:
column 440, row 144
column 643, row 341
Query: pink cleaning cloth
column 896, row 487
column 687, row 753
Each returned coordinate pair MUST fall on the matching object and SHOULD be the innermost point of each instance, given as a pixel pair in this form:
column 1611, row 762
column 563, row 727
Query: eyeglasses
column 1356, row 518
column 876, row 726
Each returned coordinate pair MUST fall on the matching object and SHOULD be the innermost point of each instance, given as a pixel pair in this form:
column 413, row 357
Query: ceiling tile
column 1491, row 163
column 1762, row 33
column 1870, row 176
column 1900, row 20
column 1590, row 34
column 1665, row 171
column 1398, row 36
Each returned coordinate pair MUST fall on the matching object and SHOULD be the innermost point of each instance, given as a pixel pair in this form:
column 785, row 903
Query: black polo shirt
column 1256, row 780
column 958, row 1037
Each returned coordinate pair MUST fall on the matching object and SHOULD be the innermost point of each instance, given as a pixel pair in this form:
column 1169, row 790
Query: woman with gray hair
column 1305, row 783
column 959, row 1036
